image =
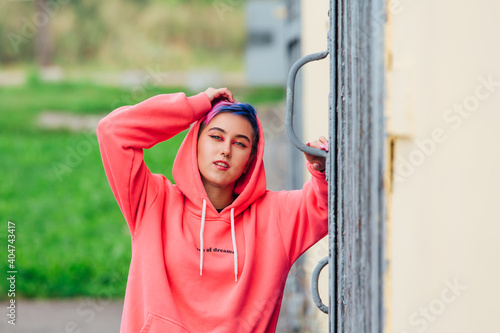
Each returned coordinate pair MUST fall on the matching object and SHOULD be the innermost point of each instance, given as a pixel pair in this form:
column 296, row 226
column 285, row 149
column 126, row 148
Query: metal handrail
column 314, row 285
column 306, row 149
column 290, row 103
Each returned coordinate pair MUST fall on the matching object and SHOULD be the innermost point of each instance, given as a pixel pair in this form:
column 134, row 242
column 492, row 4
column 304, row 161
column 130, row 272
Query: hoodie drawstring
column 235, row 251
column 202, row 228
column 233, row 237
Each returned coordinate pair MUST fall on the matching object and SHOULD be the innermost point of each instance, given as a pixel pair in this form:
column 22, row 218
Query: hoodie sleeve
column 304, row 215
column 125, row 132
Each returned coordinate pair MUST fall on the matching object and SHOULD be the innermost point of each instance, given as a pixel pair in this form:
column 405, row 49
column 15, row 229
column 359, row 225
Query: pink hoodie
column 194, row 269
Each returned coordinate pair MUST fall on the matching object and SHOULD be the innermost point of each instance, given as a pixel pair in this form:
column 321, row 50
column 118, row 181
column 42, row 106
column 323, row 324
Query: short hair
column 240, row 109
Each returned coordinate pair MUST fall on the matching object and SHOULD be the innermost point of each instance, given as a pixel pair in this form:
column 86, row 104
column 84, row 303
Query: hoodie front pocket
column 159, row 324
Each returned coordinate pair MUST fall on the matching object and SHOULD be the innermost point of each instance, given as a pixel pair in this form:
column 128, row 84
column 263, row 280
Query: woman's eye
column 242, row 145
column 215, row 137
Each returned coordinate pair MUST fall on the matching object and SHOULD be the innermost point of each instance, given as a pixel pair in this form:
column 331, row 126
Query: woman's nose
column 226, row 151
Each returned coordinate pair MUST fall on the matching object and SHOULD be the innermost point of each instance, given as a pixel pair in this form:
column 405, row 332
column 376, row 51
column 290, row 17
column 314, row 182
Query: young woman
column 212, row 252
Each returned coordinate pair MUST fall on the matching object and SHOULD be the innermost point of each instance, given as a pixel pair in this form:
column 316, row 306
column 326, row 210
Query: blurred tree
column 43, row 42
column 90, row 29
column 172, row 34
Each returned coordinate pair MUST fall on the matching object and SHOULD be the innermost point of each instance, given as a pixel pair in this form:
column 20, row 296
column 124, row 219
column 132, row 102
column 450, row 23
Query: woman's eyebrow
column 224, row 132
column 217, row 129
column 243, row 137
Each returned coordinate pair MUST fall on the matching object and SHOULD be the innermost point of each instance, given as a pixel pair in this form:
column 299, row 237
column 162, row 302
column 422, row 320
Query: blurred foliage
column 172, row 34
column 71, row 238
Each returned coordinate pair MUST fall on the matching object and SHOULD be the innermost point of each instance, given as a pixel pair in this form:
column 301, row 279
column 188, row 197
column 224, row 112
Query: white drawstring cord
column 202, row 228
column 234, row 247
column 233, row 237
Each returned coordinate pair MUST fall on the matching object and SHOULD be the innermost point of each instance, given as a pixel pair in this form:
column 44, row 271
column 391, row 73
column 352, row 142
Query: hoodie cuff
column 316, row 174
column 201, row 105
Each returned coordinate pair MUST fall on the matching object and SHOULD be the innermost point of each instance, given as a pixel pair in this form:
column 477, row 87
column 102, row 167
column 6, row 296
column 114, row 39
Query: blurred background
column 64, row 64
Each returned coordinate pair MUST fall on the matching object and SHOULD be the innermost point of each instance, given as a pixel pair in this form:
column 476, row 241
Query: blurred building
column 267, row 42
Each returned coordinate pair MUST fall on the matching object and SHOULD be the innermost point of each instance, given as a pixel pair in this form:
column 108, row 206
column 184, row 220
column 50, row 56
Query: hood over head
column 249, row 187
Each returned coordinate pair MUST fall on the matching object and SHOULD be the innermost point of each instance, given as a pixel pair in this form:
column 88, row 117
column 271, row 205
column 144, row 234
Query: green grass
column 71, row 238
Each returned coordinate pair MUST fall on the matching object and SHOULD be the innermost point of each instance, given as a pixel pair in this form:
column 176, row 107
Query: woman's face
column 224, row 150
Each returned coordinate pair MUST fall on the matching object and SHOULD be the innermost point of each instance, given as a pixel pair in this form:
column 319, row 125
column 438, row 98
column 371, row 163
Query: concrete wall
column 443, row 115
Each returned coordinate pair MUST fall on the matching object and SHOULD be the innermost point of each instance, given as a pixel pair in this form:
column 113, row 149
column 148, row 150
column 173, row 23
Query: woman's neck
column 220, row 197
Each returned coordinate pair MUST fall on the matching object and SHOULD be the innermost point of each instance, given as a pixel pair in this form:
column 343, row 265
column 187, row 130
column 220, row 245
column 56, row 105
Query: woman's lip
column 220, row 167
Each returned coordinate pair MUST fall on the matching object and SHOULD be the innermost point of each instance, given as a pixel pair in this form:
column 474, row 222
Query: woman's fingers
column 318, row 163
column 322, row 143
column 229, row 96
column 214, row 93
column 224, row 93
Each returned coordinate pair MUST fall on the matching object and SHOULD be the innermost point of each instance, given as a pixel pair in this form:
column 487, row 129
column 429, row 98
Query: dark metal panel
column 354, row 165
column 357, row 206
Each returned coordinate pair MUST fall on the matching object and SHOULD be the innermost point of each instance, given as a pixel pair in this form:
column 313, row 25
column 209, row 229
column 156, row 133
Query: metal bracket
column 314, row 285
column 290, row 101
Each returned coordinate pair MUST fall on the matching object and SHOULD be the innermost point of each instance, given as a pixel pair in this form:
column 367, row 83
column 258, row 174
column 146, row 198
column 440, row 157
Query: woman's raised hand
column 219, row 93
column 318, row 163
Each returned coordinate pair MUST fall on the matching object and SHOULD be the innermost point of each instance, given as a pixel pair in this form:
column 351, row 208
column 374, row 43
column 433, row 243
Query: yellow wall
column 443, row 241
column 443, row 116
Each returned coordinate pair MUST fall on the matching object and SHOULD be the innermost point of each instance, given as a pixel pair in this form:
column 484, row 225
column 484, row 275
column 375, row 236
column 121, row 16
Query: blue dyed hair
column 240, row 109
